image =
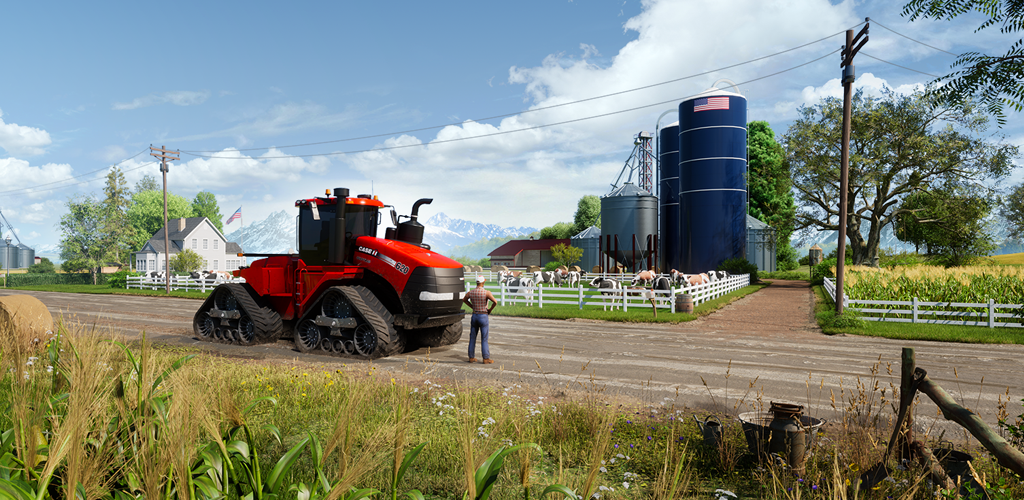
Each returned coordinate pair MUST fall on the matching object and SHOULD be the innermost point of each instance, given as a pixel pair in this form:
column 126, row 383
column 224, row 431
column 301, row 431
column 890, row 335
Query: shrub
column 740, row 265
column 120, row 278
column 44, row 266
column 825, row 269
column 805, row 260
column 551, row 266
column 787, row 265
column 785, row 257
column 56, row 279
column 900, row 259
column 829, row 321
column 186, row 261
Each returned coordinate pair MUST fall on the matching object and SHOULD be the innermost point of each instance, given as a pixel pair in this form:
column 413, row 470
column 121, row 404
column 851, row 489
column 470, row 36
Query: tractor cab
column 326, row 227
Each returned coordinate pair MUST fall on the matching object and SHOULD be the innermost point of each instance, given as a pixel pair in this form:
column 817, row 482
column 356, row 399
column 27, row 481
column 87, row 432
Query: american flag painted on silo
column 708, row 103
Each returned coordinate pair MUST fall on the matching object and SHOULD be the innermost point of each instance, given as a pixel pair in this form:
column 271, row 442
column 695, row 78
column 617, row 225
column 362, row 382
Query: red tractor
column 346, row 292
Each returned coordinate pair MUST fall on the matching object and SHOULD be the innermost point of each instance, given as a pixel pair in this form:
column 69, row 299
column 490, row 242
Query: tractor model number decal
column 402, row 268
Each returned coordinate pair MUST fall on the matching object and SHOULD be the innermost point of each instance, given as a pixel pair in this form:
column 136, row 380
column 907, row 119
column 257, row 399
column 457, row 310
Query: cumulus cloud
column 19, row 174
column 176, row 97
column 22, row 141
column 868, row 82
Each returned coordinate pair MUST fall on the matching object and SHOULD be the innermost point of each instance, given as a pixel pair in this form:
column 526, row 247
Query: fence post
column 581, row 295
column 624, row 302
column 503, row 294
column 913, row 302
column 991, row 313
column 540, row 296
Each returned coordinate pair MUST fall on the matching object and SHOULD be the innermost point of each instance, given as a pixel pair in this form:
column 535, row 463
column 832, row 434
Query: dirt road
column 766, row 339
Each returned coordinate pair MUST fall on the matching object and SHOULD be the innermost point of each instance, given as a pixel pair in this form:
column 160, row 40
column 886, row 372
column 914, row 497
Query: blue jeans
column 479, row 322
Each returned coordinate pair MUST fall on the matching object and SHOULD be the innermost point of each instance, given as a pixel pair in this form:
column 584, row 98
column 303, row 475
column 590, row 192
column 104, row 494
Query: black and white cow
column 522, row 287
column 608, row 288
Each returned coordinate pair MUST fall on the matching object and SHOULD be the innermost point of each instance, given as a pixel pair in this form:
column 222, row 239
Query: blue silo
column 712, row 180
column 668, row 172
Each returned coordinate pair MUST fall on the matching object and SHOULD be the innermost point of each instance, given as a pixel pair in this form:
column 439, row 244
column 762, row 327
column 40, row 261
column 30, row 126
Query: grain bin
column 761, row 244
column 712, row 187
column 629, row 225
column 26, row 256
column 668, row 180
column 589, row 240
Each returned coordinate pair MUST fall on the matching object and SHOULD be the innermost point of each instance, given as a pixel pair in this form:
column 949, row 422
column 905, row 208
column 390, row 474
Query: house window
column 215, row 242
column 215, row 268
column 206, row 243
column 163, row 265
column 142, row 265
column 152, row 266
column 194, row 244
column 206, row 264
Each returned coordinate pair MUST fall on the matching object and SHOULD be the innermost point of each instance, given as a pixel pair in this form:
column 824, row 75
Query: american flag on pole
column 236, row 215
column 710, row 103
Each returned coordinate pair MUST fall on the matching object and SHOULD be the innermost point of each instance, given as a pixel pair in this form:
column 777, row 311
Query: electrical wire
column 533, row 110
column 39, row 188
column 899, row 66
column 75, row 177
column 912, row 40
column 505, row 132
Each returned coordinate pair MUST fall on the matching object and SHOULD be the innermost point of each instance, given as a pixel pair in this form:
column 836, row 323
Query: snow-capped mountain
column 275, row 234
column 442, row 232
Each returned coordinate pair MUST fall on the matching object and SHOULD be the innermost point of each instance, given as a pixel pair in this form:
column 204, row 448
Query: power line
column 544, row 108
column 505, row 132
column 36, row 189
column 899, row 66
column 71, row 178
column 913, row 40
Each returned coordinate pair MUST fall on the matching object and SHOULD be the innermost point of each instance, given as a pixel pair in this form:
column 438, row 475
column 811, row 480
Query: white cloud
column 22, row 141
column 281, row 119
column 113, row 153
column 811, row 95
column 19, row 174
column 176, row 97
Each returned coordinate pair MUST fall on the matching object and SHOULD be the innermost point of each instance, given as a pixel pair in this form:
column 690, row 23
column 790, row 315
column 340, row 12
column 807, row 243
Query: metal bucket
column 757, row 432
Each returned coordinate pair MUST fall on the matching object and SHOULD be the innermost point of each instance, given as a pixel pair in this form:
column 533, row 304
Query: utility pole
column 165, row 156
column 853, row 45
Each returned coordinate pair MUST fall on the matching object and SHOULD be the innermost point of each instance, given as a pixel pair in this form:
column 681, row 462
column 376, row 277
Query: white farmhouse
column 194, row 233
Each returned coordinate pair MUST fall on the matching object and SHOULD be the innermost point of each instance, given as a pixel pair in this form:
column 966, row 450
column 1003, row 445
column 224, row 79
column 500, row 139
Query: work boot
column 488, row 361
column 473, row 360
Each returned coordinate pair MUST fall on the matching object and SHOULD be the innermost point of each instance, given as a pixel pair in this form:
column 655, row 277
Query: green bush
column 829, row 321
column 56, row 279
column 805, row 260
column 900, row 259
column 44, row 266
column 824, row 269
column 784, row 275
column 787, row 265
column 740, row 265
column 785, row 257
column 551, row 266
column 120, row 279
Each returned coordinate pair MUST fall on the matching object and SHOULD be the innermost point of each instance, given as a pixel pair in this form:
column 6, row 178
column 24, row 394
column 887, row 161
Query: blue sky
column 87, row 85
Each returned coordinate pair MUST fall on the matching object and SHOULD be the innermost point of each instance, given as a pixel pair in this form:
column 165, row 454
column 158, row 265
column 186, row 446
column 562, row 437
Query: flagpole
column 242, row 221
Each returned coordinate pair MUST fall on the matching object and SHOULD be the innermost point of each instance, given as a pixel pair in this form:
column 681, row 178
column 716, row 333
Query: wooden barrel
column 684, row 303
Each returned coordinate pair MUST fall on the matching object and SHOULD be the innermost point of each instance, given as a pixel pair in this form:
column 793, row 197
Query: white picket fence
column 541, row 295
column 935, row 312
column 178, row 283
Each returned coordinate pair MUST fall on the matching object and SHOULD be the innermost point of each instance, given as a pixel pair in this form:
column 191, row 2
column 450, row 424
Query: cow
column 645, row 278
column 712, row 276
column 607, row 286
column 522, row 287
column 574, row 278
column 553, row 278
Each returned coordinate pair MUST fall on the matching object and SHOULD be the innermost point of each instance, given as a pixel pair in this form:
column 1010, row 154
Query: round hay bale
column 467, row 269
column 576, row 269
column 25, row 320
column 497, row 269
column 563, row 269
column 478, row 269
column 597, row 269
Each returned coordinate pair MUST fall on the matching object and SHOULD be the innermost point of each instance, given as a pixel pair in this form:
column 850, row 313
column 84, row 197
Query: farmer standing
column 478, row 299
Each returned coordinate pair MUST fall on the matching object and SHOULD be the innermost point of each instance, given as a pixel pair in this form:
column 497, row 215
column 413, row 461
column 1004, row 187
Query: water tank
column 712, row 181
column 668, row 172
column 630, row 216
column 26, row 256
column 589, row 240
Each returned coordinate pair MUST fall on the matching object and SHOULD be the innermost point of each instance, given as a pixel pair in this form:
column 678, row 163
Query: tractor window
column 360, row 221
column 315, row 235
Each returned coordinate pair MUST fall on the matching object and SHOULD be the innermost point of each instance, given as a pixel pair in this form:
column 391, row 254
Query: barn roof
column 515, row 246
column 590, row 232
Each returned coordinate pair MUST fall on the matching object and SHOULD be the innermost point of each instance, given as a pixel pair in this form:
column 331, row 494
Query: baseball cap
column 480, row 279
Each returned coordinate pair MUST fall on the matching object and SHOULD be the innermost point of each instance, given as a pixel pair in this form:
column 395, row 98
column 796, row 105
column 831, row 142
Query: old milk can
column 787, row 437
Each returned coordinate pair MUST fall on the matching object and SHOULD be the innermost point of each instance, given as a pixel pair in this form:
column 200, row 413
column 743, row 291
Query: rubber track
column 267, row 321
column 440, row 336
column 374, row 313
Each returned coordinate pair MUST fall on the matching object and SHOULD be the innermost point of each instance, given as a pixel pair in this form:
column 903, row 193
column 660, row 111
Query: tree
column 995, row 81
column 147, row 214
column 117, row 229
column 83, row 239
column 146, row 183
column 588, row 213
column 950, row 221
column 898, row 144
column 1012, row 211
column 566, row 254
column 44, row 266
column 559, row 231
column 770, row 188
column 205, row 205
column 186, row 261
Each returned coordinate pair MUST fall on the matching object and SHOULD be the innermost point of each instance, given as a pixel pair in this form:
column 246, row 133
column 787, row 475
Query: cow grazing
column 607, row 286
column 522, row 287
column 573, row 278
column 549, row 277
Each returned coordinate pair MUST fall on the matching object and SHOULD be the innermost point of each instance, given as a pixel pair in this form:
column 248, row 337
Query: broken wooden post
column 1005, row 453
column 908, row 391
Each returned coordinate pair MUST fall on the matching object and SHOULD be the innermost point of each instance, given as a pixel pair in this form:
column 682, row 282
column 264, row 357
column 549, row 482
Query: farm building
column 197, row 234
column 590, row 241
column 521, row 253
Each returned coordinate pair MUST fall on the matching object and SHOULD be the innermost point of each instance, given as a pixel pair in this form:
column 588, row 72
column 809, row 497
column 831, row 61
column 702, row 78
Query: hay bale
column 563, row 269
column 25, row 320
column 577, row 269
column 467, row 269
column 532, row 269
column 597, row 269
column 497, row 269
column 478, row 269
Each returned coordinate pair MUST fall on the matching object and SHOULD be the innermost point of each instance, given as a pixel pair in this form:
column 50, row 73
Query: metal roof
column 590, row 232
column 515, row 246
column 627, row 189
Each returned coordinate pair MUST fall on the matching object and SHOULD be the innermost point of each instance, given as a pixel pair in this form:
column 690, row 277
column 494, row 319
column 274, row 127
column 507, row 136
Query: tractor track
column 765, row 339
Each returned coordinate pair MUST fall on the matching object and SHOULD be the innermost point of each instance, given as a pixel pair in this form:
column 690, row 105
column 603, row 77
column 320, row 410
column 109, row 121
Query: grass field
column 1009, row 259
column 106, row 289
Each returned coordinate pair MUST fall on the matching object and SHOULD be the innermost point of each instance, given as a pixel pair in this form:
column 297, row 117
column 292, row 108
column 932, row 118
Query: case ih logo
column 402, row 268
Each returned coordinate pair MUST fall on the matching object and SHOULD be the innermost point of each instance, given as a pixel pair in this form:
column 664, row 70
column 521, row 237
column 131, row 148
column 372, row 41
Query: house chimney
column 181, row 224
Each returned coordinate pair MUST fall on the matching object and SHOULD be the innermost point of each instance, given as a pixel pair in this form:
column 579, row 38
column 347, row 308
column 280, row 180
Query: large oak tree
column 899, row 144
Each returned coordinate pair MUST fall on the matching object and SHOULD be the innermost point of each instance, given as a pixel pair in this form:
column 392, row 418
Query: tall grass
column 91, row 418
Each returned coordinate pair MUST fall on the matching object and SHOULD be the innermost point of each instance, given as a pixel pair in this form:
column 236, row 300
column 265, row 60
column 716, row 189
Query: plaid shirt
column 478, row 297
